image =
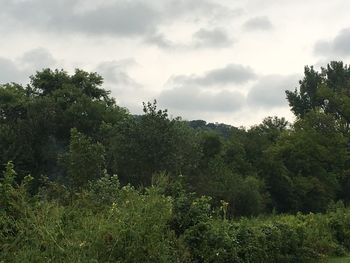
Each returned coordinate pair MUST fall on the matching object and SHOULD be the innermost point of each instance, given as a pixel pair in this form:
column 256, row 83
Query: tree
column 85, row 160
column 47, row 81
column 322, row 102
column 15, row 133
column 35, row 121
column 327, row 91
column 303, row 100
column 211, row 145
column 148, row 144
column 310, row 159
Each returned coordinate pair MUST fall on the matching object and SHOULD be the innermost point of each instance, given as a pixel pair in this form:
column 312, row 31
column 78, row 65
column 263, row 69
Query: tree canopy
column 67, row 128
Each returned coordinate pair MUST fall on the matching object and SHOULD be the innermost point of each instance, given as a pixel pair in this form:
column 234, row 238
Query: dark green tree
column 35, row 121
column 327, row 91
column 84, row 161
column 311, row 158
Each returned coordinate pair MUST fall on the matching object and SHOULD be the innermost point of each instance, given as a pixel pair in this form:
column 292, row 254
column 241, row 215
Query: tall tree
column 327, row 91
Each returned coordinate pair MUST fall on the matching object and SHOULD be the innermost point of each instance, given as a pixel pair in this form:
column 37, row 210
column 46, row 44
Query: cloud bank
column 338, row 46
column 229, row 75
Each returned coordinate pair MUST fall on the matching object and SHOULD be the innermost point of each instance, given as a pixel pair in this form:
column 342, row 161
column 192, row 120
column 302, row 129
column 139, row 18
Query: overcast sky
column 225, row 61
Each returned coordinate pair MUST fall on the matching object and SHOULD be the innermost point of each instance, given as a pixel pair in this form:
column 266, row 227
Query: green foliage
column 197, row 180
column 128, row 227
column 35, row 121
column 84, row 161
column 105, row 222
column 212, row 241
column 327, row 91
column 251, row 198
column 337, row 260
column 187, row 209
column 211, row 145
column 149, row 144
column 311, row 159
column 246, row 196
column 301, row 238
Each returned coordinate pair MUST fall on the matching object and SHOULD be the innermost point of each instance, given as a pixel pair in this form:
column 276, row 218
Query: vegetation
column 338, row 260
column 83, row 180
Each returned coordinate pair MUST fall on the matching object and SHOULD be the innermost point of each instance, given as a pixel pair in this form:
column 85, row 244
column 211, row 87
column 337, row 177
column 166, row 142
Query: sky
column 221, row 61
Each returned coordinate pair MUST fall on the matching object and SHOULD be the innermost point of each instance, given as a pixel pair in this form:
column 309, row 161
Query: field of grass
column 338, row 260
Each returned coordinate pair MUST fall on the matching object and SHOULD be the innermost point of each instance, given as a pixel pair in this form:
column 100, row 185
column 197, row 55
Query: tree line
column 67, row 129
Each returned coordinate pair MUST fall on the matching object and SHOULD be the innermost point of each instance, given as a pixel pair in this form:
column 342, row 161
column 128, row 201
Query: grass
column 338, row 260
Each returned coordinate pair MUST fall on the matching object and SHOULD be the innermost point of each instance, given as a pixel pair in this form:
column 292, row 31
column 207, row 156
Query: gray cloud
column 212, row 38
column 161, row 41
column 258, row 23
column 9, row 72
column 322, row 47
column 339, row 46
column 194, row 99
column 269, row 91
column 186, row 93
column 203, row 38
column 120, row 18
column 38, row 58
column 231, row 74
column 145, row 20
column 115, row 17
column 19, row 70
column 36, row 14
column 115, row 73
column 196, row 8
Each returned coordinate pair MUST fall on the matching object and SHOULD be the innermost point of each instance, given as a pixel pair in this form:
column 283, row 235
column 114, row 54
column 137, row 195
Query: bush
column 128, row 227
column 105, row 222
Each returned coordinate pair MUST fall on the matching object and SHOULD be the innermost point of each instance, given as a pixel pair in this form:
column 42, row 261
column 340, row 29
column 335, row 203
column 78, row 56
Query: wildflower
column 114, row 207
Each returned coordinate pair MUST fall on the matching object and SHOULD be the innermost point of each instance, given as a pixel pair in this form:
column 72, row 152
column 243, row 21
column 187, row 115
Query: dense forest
column 83, row 180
